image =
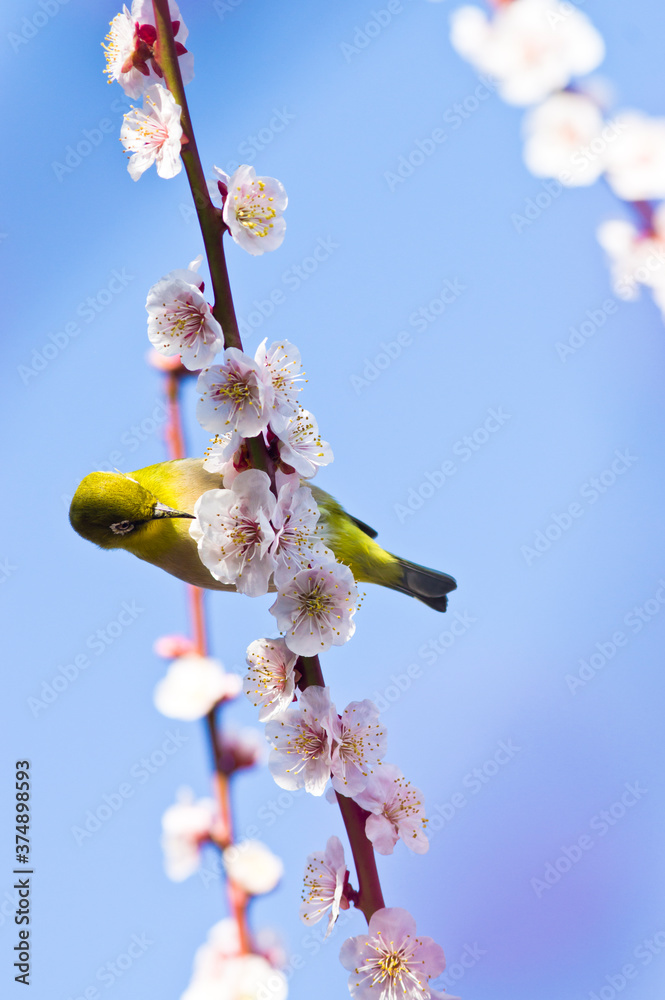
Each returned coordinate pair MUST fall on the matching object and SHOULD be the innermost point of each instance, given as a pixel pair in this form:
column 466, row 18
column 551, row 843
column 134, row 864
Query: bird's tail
column 426, row 585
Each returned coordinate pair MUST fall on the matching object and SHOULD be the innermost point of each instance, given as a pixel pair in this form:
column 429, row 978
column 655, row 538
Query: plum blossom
column 153, row 135
column 130, row 55
column 296, row 542
column 180, row 320
column 271, row 679
column 563, row 139
column 172, row 646
column 531, row 47
column 300, row 444
column 316, row 609
column 252, row 867
column 236, row 396
column 283, row 369
column 186, row 825
column 397, row 811
column 636, row 159
column 233, row 532
column 324, row 883
column 636, row 258
column 193, row 686
column 391, row 962
column 223, row 943
column 247, row 977
column 359, row 744
column 252, row 209
column 240, row 748
column 219, row 456
column 302, row 745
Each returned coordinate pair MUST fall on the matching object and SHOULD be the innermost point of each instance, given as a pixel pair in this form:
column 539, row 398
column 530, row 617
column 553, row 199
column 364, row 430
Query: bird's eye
column 122, row 527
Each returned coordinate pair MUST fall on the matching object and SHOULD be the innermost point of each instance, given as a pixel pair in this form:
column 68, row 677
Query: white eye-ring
column 122, row 527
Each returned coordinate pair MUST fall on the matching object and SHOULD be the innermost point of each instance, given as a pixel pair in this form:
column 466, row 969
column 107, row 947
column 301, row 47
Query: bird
column 147, row 513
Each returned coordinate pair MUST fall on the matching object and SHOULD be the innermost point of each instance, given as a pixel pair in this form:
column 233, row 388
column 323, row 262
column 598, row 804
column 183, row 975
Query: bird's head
column 111, row 509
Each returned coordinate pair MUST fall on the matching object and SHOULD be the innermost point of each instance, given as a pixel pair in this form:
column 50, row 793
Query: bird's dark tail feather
column 426, row 585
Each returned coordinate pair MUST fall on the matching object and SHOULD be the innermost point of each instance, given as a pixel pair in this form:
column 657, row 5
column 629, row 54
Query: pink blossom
column 396, row 809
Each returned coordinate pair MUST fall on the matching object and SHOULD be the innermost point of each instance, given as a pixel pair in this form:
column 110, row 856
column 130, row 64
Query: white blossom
column 253, row 209
column 316, row 609
column 186, row 825
column 300, row 444
column 359, row 744
column 270, row 680
column 130, row 49
column 247, row 977
column 324, row 882
column 252, row 867
column 636, row 159
column 283, row 368
column 180, row 320
column 396, row 809
column 235, row 396
column 233, row 532
column 531, row 47
column 302, row 743
column 296, row 543
column 153, row 135
column 193, row 686
column 391, row 962
column 564, row 139
column 636, row 258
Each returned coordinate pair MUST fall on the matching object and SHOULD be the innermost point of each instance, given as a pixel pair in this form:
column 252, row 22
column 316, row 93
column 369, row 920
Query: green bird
column 147, row 513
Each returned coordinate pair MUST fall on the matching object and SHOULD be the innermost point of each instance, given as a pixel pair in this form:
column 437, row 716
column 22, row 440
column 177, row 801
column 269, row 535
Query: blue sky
column 471, row 411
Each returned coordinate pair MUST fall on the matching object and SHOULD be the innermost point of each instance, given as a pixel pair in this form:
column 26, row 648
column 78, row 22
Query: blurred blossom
column 636, row 258
column 531, row 47
column 252, row 867
column 636, row 159
column 240, row 749
column 185, row 827
column 563, row 139
column 172, row 646
column 193, row 686
column 248, row 977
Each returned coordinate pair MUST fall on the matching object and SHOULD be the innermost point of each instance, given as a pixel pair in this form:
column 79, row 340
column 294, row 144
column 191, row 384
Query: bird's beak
column 161, row 510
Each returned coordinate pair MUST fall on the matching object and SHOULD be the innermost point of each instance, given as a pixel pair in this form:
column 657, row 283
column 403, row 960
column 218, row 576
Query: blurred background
column 531, row 713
